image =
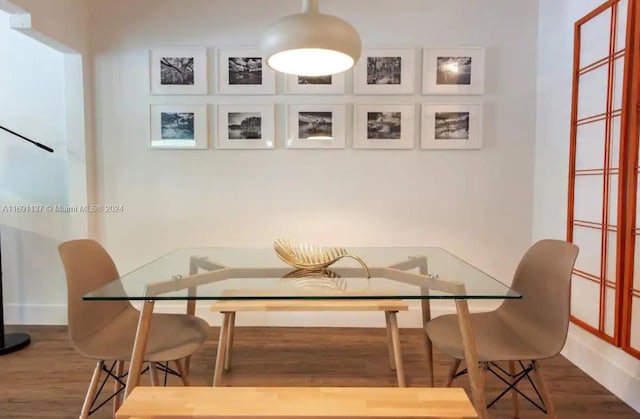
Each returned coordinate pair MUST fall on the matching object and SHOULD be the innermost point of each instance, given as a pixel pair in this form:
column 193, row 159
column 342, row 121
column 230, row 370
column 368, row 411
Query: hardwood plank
column 48, row 379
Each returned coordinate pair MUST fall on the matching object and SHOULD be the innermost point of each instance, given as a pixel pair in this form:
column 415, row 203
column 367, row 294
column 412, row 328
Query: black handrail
column 37, row 144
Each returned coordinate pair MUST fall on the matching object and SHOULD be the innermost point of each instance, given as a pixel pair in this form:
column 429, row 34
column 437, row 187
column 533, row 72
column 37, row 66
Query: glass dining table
column 405, row 273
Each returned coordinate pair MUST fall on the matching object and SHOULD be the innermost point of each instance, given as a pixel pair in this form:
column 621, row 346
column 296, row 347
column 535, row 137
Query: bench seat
column 295, row 402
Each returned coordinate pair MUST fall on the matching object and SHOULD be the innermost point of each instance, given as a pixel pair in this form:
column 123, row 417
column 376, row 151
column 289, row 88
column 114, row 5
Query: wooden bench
column 295, row 402
column 229, row 308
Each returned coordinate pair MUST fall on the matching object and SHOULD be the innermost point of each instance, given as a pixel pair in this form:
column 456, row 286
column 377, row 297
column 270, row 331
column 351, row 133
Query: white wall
column 610, row 366
column 42, row 95
column 32, row 103
column 475, row 203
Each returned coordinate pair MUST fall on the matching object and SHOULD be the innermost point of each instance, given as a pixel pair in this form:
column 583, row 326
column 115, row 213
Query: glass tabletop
column 242, row 273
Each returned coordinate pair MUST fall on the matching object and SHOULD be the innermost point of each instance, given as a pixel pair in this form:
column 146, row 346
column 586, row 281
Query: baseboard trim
column 608, row 365
column 35, row 314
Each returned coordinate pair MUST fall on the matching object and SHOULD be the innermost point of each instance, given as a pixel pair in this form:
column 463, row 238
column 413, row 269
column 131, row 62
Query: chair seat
column 496, row 339
column 172, row 336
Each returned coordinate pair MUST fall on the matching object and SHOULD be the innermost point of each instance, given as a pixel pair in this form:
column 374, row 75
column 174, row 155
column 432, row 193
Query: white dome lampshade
column 311, row 43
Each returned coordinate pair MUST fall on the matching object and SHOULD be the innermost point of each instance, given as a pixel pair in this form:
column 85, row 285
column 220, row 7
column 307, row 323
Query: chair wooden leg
column 184, row 376
column 476, row 376
column 222, row 346
column 514, row 393
column 397, row 352
column 191, row 310
column 544, row 390
column 117, row 400
column 91, row 391
column 453, row 369
column 392, row 362
column 229, row 346
column 153, row 374
column 426, row 317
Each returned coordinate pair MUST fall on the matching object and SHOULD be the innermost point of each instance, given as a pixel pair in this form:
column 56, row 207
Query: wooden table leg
column 397, row 351
column 426, row 317
column 392, row 361
column 191, row 310
column 222, row 346
column 229, row 344
column 139, row 346
column 476, row 377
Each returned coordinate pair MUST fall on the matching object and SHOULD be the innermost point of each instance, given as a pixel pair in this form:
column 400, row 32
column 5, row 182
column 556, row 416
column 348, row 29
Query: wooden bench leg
column 392, row 362
column 229, row 346
column 397, row 352
column 222, row 346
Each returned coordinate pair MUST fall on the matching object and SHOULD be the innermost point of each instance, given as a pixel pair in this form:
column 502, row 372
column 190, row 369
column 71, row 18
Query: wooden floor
column 48, row 379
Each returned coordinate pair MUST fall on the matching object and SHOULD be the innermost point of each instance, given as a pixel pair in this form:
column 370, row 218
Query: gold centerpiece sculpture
column 311, row 258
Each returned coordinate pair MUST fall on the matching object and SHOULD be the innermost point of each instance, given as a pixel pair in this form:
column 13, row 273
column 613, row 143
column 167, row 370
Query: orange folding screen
column 603, row 171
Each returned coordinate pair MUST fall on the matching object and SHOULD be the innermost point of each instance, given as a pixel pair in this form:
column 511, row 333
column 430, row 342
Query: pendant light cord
column 310, row 6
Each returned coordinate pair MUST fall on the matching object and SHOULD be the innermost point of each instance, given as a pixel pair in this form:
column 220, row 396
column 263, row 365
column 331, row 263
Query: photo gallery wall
column 382, row 71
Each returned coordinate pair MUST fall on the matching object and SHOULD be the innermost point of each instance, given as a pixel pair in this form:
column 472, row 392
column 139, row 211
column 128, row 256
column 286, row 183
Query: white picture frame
column 178, row 127
column 178, row 71
column 385, row 71
column 244, row 71
column 451, row 126
column 384, row 127
column 245, row 127
column 316, row 126
column 294, row 85
column 453, row 71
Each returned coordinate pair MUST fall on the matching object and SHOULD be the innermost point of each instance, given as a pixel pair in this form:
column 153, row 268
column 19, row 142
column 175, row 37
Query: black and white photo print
column 384, row 70
column 384, row 125
column 314, row 79
column 453, row 70
column 245, row 70
column 177, row 71
column 452, row 125
column 315, row 125
column 177, row 126
column 245, row 125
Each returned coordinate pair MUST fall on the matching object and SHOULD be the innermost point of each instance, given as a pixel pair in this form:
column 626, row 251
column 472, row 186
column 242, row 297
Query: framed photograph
column 451, row 126
column 316, row 126
column 178, row 71
column 384, row 126
column 178, row 126
column 453, row 71
column 245, row 126
column 385, row 71
column 244, row 71
column 314, row 85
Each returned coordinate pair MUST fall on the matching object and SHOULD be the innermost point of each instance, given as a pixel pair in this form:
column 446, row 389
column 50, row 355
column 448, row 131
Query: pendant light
column 311, row 43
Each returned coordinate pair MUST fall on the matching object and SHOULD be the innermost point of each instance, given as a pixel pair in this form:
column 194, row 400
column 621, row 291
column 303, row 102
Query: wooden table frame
column 398, row 272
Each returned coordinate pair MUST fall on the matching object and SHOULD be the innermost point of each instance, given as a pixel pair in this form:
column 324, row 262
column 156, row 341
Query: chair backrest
column 88, row 266
column 544, row 279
